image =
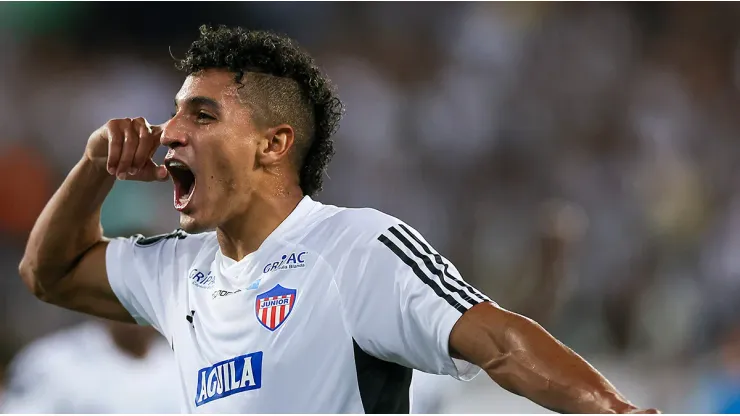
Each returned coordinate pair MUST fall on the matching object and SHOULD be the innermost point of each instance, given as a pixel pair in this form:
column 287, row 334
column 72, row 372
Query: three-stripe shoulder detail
column 431, row 268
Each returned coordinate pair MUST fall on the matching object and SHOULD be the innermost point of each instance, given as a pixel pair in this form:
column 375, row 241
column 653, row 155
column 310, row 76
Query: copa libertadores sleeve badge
column 142, row 241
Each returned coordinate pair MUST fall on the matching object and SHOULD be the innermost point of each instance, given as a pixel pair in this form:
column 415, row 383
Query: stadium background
column 577, row 162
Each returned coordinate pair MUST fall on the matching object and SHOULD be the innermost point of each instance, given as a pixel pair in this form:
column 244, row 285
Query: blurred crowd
column 578, row 162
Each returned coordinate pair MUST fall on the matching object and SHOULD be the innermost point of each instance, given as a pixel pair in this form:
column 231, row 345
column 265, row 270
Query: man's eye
column 205, row 116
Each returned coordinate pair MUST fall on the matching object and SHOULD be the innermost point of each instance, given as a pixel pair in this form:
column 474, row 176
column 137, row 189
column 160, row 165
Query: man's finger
column 146, row 139
column 161, row 173
column 156, row 129
column 130, row 143
column 115, row 143
column 151, row 172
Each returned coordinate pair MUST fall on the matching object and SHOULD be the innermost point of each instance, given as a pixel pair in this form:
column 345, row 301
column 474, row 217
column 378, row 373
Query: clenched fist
column 124, row 147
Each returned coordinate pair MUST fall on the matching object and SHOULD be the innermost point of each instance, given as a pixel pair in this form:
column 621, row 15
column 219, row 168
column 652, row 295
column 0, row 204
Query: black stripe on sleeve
column 423, row 277
column 441, row 261
column 432, row 269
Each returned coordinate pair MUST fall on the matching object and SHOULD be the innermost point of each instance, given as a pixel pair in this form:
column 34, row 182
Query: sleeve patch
column 142, row 241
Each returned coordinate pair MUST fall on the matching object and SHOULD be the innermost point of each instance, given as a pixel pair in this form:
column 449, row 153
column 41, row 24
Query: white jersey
column 80, row 370
column 329, row 315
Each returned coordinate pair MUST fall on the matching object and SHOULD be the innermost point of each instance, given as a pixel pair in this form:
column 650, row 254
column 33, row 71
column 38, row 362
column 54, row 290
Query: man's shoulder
column 358, row 222
column 176, row 236
column 339, row 229
column 177, row 246
column 177, row 242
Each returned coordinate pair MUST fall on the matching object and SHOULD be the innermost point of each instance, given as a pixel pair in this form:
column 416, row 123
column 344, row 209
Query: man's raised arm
column 64, row 262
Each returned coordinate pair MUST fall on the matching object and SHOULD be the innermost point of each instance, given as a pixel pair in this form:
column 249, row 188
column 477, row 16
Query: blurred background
column 578, row 162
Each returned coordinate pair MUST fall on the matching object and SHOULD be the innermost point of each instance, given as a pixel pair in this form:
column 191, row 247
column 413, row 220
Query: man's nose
column 173, row 134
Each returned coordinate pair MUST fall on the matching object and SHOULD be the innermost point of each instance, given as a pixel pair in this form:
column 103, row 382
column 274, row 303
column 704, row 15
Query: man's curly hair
column 283, row 85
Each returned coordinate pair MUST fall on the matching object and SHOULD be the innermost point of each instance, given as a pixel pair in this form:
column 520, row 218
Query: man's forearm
column 535, row 365
column 68, row 226
column 523, row 358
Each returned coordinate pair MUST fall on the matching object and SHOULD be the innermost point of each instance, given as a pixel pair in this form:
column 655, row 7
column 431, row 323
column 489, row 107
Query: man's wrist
column 94, row 168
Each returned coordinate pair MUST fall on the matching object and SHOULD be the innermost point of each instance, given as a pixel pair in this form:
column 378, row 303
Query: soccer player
column 290, row 305
column 95, row 367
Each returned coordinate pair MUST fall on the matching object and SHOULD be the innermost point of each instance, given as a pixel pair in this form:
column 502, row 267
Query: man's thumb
column 152, row 172
column 157, row 129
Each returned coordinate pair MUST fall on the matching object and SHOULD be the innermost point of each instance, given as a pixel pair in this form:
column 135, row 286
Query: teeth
column 176, row 164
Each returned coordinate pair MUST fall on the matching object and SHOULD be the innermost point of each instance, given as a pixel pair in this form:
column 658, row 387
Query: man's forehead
column 217, row 84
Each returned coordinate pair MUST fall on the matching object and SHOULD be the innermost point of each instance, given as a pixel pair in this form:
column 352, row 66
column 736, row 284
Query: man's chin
column 191, row 225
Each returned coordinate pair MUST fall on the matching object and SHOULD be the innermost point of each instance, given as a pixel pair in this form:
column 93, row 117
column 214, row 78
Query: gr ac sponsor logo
column 295, row 260
column 235, row 375
column 202, row 280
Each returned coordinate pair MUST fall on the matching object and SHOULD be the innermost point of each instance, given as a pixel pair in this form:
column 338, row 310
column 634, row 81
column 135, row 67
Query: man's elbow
column 30, row 274
column 508, row 336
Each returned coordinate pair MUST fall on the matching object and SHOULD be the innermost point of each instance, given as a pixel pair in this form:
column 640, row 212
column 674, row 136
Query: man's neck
column 245, row 233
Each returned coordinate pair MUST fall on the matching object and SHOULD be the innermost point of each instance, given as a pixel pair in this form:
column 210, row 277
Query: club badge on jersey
column 274, row 306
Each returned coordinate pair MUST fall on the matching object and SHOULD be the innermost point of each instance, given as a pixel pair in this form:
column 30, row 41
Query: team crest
column 274, row 306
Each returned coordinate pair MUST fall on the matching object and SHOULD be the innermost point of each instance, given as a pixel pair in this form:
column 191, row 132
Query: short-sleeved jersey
column 81, row 370
column 329, row 315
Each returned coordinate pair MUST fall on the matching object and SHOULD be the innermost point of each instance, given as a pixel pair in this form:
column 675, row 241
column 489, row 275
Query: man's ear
column 278, row 142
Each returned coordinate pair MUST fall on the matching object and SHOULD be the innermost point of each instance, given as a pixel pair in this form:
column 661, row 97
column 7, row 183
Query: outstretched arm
column 523, row 358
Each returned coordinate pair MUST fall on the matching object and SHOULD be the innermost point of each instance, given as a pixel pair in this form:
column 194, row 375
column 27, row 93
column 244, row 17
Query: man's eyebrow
column 199, row 101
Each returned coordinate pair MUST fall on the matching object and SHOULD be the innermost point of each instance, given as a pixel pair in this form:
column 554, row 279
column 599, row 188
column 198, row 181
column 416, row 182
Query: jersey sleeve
column 401, row 299
column 143, row 274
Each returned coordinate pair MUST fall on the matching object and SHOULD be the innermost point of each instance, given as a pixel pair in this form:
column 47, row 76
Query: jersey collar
column 294, row 218
column 299, row 213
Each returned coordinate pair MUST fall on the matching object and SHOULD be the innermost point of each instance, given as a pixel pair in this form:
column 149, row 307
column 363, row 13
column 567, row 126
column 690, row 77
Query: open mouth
column 184, row 181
